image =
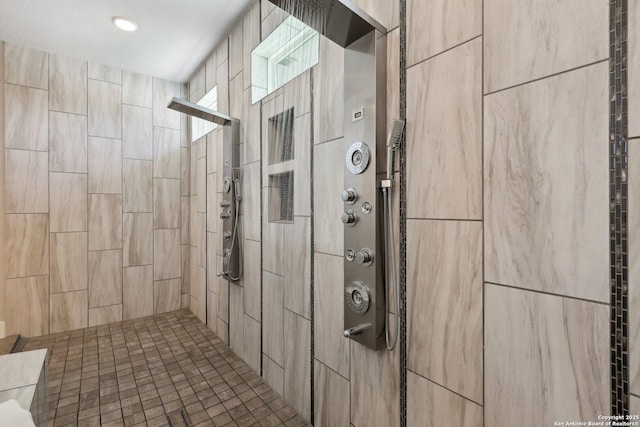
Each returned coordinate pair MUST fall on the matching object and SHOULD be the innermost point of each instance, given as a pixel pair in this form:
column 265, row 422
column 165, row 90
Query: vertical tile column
column 105, row 194
column 167, row 237
column 546, row 211
column 26, row 195
column 2, row 184
column 444, row 210
column 137, row 198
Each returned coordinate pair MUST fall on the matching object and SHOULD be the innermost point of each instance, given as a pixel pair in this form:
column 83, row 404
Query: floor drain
column 179, row 418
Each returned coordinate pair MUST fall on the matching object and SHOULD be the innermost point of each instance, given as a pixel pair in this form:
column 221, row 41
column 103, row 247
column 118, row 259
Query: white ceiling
column 173, row 37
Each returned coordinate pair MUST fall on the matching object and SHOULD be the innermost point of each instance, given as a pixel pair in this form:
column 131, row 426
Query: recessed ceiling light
column 124, row 23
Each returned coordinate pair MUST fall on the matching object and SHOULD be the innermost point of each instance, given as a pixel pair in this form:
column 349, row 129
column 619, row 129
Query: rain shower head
column 341, row 21
column 200, row 112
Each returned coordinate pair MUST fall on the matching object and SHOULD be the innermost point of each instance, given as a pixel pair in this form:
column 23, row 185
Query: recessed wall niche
column 281, row 137
column 281, row 197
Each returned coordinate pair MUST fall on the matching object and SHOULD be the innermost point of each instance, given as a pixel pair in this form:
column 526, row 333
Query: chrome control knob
column 224, row 204
column 364, row 257
column 349, row 218
column 224, row 215
column 349, row 196
column 227, row 234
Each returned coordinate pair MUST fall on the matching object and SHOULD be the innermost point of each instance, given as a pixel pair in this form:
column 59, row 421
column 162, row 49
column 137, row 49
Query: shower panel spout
column 231, row 191
column 365, row 103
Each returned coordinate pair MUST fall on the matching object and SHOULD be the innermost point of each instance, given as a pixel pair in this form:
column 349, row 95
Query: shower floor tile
column 163, row 370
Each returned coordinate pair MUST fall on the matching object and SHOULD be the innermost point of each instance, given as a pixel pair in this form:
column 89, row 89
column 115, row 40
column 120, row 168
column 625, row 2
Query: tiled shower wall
column 507, row 251
column 92, row 224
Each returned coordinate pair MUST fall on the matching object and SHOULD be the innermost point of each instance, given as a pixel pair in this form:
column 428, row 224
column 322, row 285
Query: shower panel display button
column 358, row 297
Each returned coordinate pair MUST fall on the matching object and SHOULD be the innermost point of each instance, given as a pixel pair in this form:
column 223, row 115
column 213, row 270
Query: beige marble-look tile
column 212, row 312
column 213, row 208
column 212, row 262
column 223, row 331
column 184, row 220
column 387, row 12
column 431, row 405
column 105, row 165
column 444, row 135
column 236, row 102
column 271, row 21
column 330, row 346
column 185, row 170
column 444, row 295
column 252, row 342
column 222, row 52
column 211, row 70
column 528, row 40
column 435, row 26
column 331, row 397
column 166, row 153
column 553, row 368
column 186, row 270
column 26, row 176
column 136, row 89
column 544, row 226
column 633, row 69
column 201, row 184
column 68, row 202
column 272, row 246
column 327, row 204
column 137, row 132
column 223, row 87
column 375, row 386
column 273, row 374
column 105, row 278
column 297, row 365
column 137, row 185
column 302, row 162
column 634, row 404
column 634, row 266
column 166, row 201
column 163, row 92
column 67, row 84
column 167, row 295
column 223, row 297
column 27, row 306
column 251, row 129
column 250, row 39
column 67, row 142
column 235, row 50
column 167, row 254
column 273, row 321
column 27, row 245
column 251, row 279
column 26, row 118
column 26, row 67
column 137, row 292
column 105, row 315
column 328, row 108
column 197, row 85
column 236, row 319
column 297, row 266
column 105, row 73
column 105, row 221
column 105, row 109
column 69, row 311
column 68, row 260
column 137, row 239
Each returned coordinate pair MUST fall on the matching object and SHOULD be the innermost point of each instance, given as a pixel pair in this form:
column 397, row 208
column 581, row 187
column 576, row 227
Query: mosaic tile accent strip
column 618, row 206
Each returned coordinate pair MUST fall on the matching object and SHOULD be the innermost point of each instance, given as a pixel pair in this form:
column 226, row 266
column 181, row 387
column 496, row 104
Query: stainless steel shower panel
column 232, row 183
column 364, row 167
column 231, row 194
column 341, row 21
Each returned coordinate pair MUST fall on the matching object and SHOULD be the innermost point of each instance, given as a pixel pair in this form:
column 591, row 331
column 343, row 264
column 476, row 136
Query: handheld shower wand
column 393, row 143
